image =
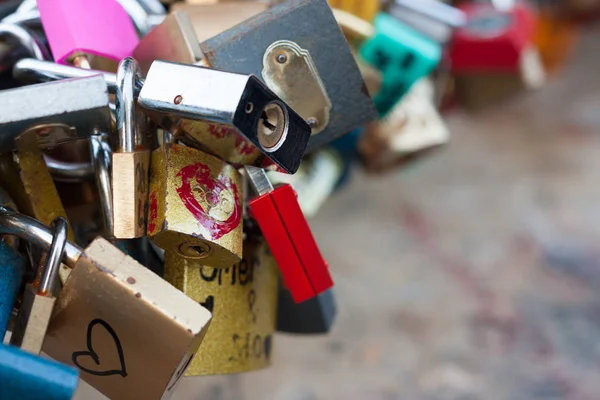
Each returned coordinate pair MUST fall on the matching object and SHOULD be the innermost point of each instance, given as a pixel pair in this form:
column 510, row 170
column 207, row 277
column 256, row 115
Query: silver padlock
column 233, row 116
column 299, row 41
column 59, row 111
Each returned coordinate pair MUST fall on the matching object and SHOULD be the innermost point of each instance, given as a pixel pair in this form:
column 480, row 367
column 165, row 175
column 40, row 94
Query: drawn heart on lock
column 91, row 353
column 213, row 202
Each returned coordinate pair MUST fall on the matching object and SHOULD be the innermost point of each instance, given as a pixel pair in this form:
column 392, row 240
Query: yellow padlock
column 365, row 9
column 243, row 301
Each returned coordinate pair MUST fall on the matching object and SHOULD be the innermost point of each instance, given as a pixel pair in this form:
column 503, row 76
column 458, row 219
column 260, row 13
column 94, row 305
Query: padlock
column 77, row 32
column 243, row 300
column 130, row 161
column 26, row 376
column 412, row 129
column 289, row 237
column 112, row 316
column 70, row 109
column 172, row 40
column 494, row 54
column 404, row 56
column 11, row 271
column 364, row 9
column 433, row 18
column 195, row 206
column 299, row 41
column 555, row 38
column 26, row 176
column 310, row 317
column 246, row 124
column 38, row 299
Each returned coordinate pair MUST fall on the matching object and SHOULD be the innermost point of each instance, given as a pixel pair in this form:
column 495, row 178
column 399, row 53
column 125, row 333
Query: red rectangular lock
column 290, row 239
column 492, row 40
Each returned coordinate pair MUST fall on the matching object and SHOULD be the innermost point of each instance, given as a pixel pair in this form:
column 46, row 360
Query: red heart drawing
column 213, row 202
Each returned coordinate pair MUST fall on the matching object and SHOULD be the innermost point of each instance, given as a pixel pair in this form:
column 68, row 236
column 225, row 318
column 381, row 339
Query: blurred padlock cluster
column 158, row 161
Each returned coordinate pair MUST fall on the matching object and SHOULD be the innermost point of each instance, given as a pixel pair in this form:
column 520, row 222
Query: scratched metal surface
column 472, row 275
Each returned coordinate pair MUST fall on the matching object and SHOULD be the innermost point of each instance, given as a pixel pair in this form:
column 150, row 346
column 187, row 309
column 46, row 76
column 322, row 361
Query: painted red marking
column 197, row 186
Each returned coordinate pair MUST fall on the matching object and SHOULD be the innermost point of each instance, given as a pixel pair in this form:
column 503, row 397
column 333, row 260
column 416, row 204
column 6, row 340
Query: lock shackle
column 55, row 254
column 29, row 69
column 24, row 39
column 7, row 201
column 64, row 171
column 101, row 155
column 33, row 231
column 128, row 75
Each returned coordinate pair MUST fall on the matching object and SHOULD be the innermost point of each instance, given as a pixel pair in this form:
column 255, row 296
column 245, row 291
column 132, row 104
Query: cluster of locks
column 152, row 167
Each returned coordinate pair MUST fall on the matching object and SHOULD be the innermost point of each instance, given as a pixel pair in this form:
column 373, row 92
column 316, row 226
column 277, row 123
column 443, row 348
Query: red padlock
column 492, row 40
column 303, row 268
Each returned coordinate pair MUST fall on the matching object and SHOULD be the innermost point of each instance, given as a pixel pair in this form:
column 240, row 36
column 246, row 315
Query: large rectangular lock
column 233, row 116
column 81, row 104
column 299, row 41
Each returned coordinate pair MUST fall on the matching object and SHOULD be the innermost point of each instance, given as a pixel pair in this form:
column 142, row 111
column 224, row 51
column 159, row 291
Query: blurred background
column 470, row 274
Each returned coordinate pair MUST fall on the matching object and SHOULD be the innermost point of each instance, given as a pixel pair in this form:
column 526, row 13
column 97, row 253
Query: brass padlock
column 243, row 300
column 26, row 176
column 130, row 161
column 195, row 206
column 130, row 333
column 38, row 299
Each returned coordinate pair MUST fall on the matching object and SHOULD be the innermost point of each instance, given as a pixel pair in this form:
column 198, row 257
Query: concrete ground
column 474, row 274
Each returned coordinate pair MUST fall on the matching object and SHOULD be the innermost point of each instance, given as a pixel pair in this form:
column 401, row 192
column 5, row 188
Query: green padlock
column 402, row 54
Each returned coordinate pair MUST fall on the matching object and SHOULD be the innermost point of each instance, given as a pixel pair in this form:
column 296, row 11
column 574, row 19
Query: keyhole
column 194, row 250
column 272, row 127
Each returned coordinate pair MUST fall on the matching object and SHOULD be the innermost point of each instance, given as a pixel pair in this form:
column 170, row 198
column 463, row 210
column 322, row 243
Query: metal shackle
column 60, row 229
column 33, row 231
column 128, row 75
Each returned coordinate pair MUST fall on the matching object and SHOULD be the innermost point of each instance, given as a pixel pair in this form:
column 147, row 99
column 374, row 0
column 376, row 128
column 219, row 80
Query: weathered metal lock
column 38, row 300
column 28, row 376
column 494, row 54
column 232, row 116
column 412, row 129
column 195, row 206
column 77, row 32
column 68, row 109
column 280, row 47
column 310, row 317
column 92, row 325
column 130, row 161
column 289, row 237
column 243, row 301
column 433, row 18
column 404, row 56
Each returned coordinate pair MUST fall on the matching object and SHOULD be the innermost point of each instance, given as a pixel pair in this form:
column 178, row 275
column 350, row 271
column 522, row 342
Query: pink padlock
column 88, row 33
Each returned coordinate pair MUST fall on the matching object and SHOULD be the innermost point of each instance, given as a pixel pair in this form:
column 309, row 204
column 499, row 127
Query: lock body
column 365, row 9
column 313, row 316
column 402, row 54
column 114, row 319
column 11, row 274
column 27, row 376
column 299, row 41
column 232, row 116
column 78, row 28
column 195, row 206
column 243, row 300
column 411, row 129
column 70, row 109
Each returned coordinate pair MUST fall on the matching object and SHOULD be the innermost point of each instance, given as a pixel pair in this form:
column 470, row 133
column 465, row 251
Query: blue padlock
column 12, row 267
column 27, row 376
column 402, row 54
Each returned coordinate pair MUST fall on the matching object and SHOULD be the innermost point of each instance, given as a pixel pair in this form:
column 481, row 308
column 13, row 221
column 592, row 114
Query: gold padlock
column 130, row 333
column 26, row 177
column 243, row 300
column 130, row 161
column 195, row 206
